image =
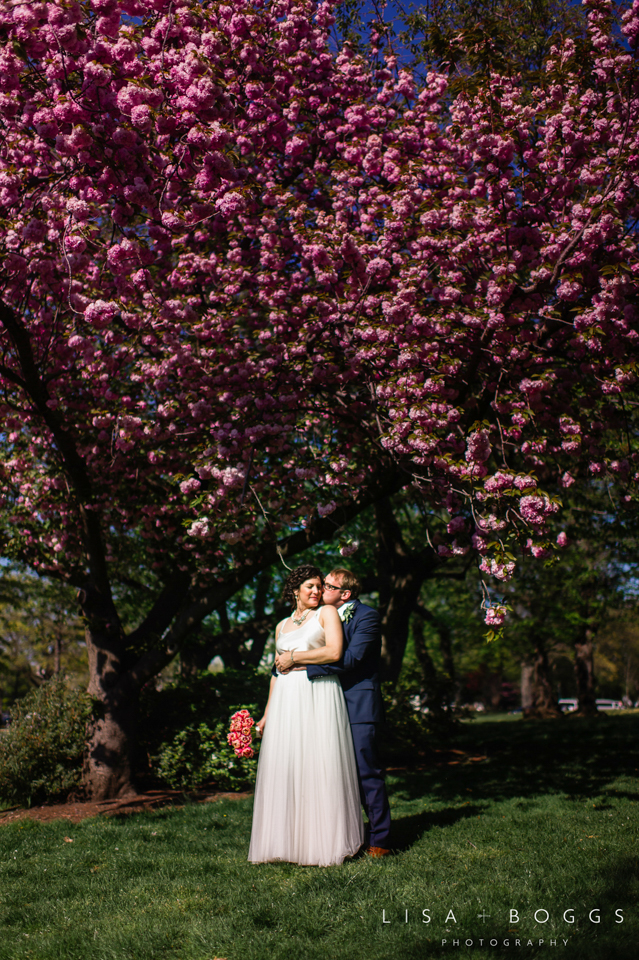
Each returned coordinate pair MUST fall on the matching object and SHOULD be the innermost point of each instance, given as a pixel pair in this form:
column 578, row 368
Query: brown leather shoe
column 377, row 851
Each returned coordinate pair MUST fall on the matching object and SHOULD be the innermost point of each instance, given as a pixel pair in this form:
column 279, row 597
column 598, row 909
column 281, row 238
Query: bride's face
column 310, row 592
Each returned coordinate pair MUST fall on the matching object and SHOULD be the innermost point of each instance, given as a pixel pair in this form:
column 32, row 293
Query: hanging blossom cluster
column 242, row 274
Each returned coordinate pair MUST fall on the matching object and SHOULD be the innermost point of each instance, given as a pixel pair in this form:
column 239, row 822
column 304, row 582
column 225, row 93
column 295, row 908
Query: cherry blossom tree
column 252, row 284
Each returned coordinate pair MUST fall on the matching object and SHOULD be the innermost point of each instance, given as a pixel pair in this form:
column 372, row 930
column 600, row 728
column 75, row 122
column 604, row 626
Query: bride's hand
column 259, row 726
column 283, row 661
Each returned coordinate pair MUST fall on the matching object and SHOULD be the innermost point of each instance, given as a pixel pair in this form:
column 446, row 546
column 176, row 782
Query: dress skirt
column 307, row 805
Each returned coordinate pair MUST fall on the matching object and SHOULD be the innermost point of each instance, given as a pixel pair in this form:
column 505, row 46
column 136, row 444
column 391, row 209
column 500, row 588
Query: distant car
column 609, row 704
column 568, row 704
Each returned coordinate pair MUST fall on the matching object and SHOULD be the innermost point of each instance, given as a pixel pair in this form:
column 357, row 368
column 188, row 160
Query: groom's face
column 333, row 594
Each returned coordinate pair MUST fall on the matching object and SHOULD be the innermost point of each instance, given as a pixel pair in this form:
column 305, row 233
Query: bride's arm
column 331, row 651
column 259, row 726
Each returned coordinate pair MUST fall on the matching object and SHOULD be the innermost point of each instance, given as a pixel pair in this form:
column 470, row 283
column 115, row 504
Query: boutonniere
column 348, row 614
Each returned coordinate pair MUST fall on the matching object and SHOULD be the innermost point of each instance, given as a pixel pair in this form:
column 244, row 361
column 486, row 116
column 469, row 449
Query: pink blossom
column 495, row 615
column 100, row 312
column 500, row 481
column 190, row 486
column 478, row 447
column 200, row 528
column 456, row 525
column 539, row 551
column 325, row 509
column 535, row 509
column 562, row 539
column 349, row 549
column 79, row 209
column 499, row 569
column 491, row 522
column 479, row 542
column 571, row 446
column 569, row 290
column 230, row 204
column 379, row 268
column 141, row 116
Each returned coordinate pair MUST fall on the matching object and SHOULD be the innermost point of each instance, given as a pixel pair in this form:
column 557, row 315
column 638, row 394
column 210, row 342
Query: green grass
column 548, row 821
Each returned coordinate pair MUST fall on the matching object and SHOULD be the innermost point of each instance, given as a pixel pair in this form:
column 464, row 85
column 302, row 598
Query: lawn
column 546, row 823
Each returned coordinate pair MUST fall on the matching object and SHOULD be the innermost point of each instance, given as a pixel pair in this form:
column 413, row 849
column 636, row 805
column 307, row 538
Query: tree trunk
column 401, row 575
column 544, row 701
column 585, row 675
column 445, row 639
column 396, row 610
column 108, row 768
column 429, row 671
column 437, row 691
column 446, row 647
column 527, row 695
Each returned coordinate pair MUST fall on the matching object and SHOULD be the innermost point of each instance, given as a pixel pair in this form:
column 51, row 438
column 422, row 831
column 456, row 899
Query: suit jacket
column 358, row 669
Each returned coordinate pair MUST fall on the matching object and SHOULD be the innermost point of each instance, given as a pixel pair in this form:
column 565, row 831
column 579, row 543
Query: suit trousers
column 371, row 784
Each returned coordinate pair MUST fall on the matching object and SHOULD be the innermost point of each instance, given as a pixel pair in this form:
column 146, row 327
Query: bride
column 307, row 807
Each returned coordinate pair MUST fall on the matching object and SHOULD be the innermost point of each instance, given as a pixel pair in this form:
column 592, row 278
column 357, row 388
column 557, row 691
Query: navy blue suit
column 358, row 673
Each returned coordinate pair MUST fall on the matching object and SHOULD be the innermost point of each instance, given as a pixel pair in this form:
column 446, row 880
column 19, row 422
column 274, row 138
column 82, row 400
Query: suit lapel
column 348, row 626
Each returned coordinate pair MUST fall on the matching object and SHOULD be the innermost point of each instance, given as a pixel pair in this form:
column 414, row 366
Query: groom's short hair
column 348, row 581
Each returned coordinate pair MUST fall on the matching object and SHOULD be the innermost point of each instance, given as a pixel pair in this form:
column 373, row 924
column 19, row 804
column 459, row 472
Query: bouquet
column 241, row 735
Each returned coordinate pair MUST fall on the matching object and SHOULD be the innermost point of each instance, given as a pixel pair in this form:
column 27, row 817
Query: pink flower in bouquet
column 241, row 735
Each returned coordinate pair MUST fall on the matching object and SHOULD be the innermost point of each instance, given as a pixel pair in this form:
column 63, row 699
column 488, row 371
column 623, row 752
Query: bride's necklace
column 301, row 619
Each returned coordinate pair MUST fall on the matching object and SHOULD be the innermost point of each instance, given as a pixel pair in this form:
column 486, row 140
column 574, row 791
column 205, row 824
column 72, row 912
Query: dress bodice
column 307, row 637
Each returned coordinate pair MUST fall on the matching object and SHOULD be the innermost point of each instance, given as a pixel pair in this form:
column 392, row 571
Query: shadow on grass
column 574, row 756
column 615, row 887
column 408, row 830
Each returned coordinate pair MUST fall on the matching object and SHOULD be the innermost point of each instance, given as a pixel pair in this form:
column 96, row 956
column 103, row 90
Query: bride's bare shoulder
column 278, row 628
column 328, row 614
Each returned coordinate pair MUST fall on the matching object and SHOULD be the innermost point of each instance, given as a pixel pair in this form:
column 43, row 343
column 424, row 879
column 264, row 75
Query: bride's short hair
column 348, row 581
column 296, row 578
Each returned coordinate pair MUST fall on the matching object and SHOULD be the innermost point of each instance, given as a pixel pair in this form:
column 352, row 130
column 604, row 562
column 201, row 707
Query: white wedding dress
column 307, row 807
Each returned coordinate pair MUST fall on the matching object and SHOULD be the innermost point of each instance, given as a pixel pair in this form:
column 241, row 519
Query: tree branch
column 195, row 609
column 73, row 463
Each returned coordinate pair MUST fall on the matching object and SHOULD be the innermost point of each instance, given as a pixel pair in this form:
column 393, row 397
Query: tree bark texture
column 527, row 695
column 585, row 675
column 401, row 573
column 437, row 690
column 544, row 704
column 108, row 767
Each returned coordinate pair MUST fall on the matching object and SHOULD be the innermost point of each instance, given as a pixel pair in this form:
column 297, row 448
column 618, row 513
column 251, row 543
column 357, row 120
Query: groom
column 358, row 673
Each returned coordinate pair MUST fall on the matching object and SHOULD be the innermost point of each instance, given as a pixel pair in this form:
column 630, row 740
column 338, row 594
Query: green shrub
column 200, row 754
column 41, row 752
column 184, row 726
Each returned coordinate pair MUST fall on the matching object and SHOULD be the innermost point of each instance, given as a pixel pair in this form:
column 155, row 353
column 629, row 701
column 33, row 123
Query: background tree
column 41, row 635
column 618, row 654
column 480, row 37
